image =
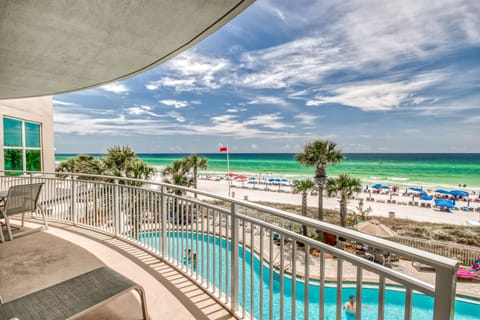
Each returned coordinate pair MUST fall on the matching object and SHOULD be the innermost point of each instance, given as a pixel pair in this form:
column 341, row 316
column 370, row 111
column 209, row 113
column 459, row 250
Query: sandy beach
column 381, row 209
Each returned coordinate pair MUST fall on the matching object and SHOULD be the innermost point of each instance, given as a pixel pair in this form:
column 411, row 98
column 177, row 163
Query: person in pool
column 350, row 307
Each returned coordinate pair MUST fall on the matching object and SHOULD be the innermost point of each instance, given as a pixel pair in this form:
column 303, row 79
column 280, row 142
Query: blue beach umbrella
column 425, row 197
column 441, row 191
column 376, row 186
column 416, row 189
column 444, row 203
column 459, row 193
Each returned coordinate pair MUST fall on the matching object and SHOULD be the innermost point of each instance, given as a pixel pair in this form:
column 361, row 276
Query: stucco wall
column 39, row 109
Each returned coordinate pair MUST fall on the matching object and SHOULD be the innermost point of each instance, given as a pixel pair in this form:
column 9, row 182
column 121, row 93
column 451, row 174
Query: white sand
column 379, row 209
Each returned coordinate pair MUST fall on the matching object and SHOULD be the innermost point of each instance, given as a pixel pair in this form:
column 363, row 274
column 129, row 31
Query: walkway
column 38, row 260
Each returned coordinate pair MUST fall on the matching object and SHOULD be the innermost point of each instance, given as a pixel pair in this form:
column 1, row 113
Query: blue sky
column 373, row 76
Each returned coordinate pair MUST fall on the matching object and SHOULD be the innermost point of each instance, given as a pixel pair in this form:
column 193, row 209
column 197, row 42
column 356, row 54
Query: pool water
column 210, row 247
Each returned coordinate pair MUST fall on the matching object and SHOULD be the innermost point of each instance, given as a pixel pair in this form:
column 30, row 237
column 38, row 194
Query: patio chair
column 21, row 199
column 72, row 298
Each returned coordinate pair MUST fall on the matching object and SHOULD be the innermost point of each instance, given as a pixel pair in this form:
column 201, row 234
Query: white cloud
column 151, row 86
column 191, row 71
column 177, row 116
column 379, row 95
column 473, row 119
column 313, row 103
column 305, row 118
column 267, row 120
column 254, row 127
column 183, row 84
column 64, row 103
column 235, row 110
column 115, row 88
column 268, row 100
column 175, row 103
column 139, row 110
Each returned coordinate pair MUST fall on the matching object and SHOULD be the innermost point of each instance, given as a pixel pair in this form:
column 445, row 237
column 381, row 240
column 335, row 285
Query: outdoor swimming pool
column 210, row 248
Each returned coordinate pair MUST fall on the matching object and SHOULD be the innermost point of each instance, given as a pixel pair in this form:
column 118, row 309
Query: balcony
column 216, row 257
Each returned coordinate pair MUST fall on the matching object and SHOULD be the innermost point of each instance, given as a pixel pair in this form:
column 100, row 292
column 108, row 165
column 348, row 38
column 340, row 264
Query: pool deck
column 39, row 260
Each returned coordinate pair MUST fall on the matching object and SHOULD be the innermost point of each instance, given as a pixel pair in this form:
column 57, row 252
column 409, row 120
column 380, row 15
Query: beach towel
column 462, row 273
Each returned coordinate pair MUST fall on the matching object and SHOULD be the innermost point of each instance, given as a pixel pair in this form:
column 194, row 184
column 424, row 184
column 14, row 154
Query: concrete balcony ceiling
column 51, row 47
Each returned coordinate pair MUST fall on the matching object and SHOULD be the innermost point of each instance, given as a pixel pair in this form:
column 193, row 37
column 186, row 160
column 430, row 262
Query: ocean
column 428, row 170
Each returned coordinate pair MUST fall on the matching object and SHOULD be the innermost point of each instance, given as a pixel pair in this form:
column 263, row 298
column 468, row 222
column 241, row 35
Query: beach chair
column 22, row 199
column 72, row 298
column 467, row 274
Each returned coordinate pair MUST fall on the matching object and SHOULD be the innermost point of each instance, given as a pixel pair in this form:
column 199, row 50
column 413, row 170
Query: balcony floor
column 35, row 261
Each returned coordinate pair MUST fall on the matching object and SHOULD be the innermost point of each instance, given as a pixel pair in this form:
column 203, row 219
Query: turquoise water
column 426, row 170
column 207, row 245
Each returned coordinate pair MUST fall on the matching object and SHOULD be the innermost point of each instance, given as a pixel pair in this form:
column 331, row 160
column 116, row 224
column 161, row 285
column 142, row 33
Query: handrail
column 419, row 255
column 126, row 205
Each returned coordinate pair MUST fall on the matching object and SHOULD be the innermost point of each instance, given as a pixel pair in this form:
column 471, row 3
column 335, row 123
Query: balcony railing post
column 163, row 213
column 116, row 208
column 445, row 287
column 234, row 265
column 73, row 203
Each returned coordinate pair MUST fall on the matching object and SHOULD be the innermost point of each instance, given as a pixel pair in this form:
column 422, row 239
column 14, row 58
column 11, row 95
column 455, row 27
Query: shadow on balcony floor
column 41, row 259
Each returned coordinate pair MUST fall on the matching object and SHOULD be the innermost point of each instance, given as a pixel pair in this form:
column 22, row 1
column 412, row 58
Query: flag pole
column 228, row 171
column 228, row 161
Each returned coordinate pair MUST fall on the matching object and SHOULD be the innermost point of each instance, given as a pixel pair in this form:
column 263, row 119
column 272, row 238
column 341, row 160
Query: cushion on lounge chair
column 71, row 298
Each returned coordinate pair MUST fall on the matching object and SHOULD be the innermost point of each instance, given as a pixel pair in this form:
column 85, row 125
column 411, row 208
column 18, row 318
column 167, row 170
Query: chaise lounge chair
column 21, row 199
column 72, row 298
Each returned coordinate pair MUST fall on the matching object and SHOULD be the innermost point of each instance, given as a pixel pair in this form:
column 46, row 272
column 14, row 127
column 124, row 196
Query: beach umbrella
column 376, row 186
column 384, row 187
column 375, row 228
column 441, row 191
column 444, row 203
column 241, row 177
column 231, row 174
column 426, row 197
column 459, row 193
column 416, row 189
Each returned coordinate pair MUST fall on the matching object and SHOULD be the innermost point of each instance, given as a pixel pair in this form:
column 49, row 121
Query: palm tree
column 122, row 161
column 82, row 163
column 319, row 154
column 303, row 187
column 196, row 163
column 345, row 185
column 118, row 160
column 177, row 173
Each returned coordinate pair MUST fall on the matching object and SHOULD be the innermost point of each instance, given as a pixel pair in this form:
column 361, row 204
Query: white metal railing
column 230, row 250
column 465, row 254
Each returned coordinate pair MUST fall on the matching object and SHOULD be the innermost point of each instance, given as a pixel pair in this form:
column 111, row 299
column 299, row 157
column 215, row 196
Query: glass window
column 32, row 135
column 22, row 146
column 12, row 132
column 33, row 160
column 13, row 159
